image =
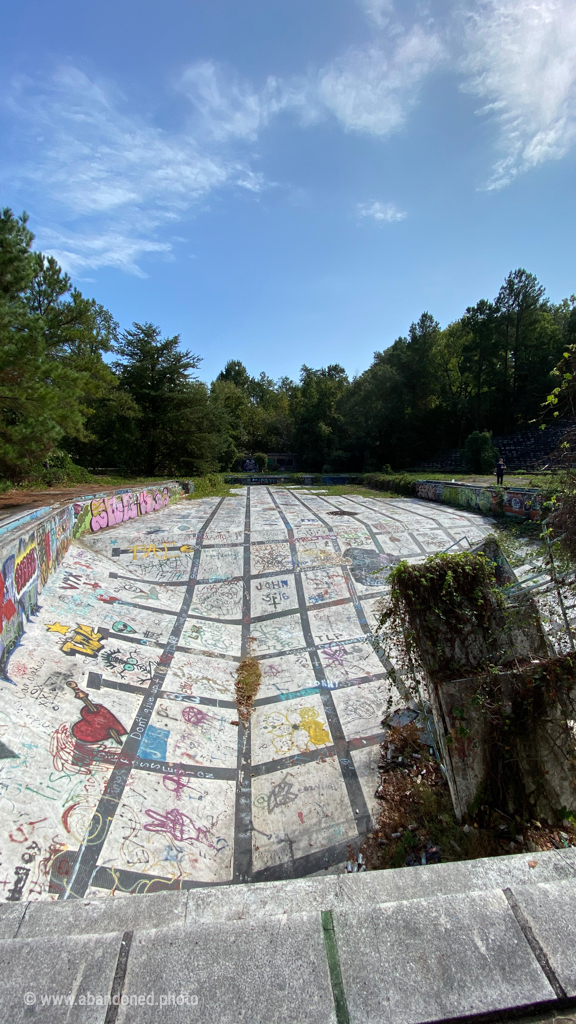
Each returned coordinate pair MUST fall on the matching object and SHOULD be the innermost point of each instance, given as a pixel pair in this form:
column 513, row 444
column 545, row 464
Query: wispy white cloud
column 384, row 212
column 228, row 108
column 374, row 89
column 107, row 159
column 520, row 57
column 225, row 107
column 377, row 11
column 120, row 179
column 77, row 253
column 97, row 163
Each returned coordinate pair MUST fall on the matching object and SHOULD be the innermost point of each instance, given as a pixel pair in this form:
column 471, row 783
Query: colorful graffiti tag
column 513, row 501
column 106, row 510
column 28, row 559
column 27, row 562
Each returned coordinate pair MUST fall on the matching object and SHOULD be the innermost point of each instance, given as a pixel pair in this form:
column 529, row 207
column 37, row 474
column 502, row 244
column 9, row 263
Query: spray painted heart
column 96, row 726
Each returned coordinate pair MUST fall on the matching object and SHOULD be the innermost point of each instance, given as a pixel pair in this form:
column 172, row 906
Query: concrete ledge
column 45, row 971
column 549, row 910
column 520, row 502
column 437, row 959
column 93, row 917
column 468, row 956
column 239, row 902
column 259, row 972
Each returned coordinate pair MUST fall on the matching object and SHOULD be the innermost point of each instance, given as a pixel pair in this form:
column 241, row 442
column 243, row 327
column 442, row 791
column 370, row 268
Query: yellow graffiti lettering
column 85, row 641
column 151, row 549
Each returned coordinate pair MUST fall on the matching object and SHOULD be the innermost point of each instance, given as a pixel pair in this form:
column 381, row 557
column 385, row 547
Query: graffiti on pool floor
column 284, row 727
column 83, row 639
column 273, row 594
column 96, row 722
column 73, row 690
column 367, row 565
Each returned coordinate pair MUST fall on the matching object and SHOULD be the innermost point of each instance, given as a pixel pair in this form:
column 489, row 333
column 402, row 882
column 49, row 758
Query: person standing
column 500, row 467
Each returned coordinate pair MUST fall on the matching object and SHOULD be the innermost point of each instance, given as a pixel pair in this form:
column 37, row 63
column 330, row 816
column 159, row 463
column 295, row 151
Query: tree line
column 75, row 391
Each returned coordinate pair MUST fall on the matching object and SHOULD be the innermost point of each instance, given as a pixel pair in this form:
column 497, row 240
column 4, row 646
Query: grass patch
column 210, row 486
column 90, row 481
column 340, row 490
column 248, row 676
column 129, row 481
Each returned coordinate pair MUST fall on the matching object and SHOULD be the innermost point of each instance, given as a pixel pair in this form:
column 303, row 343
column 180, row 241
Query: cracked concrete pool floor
column 123, row 767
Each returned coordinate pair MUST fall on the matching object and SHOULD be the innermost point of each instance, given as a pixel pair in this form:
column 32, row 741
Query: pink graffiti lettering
column 112, row 510
column 115, row 511
column 129, row 506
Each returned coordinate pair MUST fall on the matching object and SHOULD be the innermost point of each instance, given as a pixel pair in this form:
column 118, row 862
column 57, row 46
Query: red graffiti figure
column 96, row 723
column 7, row 608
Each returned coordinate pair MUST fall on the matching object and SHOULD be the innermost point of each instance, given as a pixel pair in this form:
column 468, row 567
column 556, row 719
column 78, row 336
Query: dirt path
column 18, row 500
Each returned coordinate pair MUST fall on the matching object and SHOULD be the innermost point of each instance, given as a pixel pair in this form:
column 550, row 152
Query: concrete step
column 357, row 953
column 215, row 903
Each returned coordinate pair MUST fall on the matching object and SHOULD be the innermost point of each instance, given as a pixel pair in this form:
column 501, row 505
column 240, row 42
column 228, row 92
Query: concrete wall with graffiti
column 31, row 550
column 525, row 503
column 93, row 514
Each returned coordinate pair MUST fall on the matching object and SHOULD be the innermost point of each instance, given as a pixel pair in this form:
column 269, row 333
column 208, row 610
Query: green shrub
column 59, row 468
column 210, row 485
column 400, row 483
column 298, row 478
column 480, row 454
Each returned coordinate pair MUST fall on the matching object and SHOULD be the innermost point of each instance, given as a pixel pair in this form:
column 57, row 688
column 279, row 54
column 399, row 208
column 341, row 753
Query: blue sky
column 293, row 181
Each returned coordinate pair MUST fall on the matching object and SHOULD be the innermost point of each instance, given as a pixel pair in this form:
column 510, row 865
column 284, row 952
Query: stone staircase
column 527, row 449
column 474, row 940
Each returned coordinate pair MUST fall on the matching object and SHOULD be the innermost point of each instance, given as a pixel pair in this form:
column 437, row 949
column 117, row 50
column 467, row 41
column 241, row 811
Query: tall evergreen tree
column 51, row 344
column 318, row 424
column 174, row 429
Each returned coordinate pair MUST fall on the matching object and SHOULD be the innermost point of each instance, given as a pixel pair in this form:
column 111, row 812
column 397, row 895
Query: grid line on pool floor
column 353, row 788
column 242, row 867
column 87, row 858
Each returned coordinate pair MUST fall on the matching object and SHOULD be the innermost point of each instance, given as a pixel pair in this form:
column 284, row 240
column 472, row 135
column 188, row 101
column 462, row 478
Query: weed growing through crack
column 248, row 677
